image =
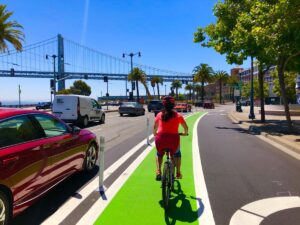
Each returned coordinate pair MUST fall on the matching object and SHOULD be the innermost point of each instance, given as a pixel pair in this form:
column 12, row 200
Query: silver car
column 131, row 108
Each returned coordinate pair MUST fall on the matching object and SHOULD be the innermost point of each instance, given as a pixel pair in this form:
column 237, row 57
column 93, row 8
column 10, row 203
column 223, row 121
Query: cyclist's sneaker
column 178, row 176
column 158, row 175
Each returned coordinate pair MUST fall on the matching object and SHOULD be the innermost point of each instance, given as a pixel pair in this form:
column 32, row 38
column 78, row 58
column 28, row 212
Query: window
column 17, row 130
column 95, row 104
column 51, row 126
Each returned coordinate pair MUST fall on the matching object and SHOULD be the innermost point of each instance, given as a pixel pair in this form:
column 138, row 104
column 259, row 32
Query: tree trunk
column 202, row 91
column 147, row 90
column 153, row 91
column 220, row 85
column 261, row 95
column 177, row 94
column 280, row 66
column 158, row 95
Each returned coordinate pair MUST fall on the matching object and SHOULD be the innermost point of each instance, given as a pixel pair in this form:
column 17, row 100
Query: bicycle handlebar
column 183, row 134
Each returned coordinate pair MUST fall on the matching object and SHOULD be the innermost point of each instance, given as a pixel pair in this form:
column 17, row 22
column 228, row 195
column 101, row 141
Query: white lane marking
column 72, row 203
column 222, row 114
column 200, row 186
column 255, row 212
column 280, row 147
column 96, row 210
column 221, row 110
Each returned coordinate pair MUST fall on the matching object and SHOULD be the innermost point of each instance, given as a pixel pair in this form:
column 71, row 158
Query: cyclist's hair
column 168, row 112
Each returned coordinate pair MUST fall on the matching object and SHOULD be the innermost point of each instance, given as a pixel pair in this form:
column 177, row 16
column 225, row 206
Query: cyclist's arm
column 185, row 127
column 155, row 127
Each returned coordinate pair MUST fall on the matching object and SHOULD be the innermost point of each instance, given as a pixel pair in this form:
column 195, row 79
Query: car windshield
column 129, row 104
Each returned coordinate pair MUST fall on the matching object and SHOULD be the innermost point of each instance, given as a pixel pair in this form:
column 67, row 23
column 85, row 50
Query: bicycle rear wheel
column 166, row 186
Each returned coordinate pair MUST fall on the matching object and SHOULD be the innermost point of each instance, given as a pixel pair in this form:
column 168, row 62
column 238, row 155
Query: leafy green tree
column 221, row 77
column 139, row 75
column 256, row 89
column 10, row 31
column 176, row 84
column 189, row 88
column 203, row 73
column 82, row 87
column 290, row 85
column 198, row 90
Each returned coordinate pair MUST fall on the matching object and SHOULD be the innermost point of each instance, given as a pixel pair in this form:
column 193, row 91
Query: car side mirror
column 99, row 107
column 74, row 130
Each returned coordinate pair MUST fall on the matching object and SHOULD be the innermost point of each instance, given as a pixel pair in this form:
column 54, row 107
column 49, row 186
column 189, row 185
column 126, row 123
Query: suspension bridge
column 67, row 59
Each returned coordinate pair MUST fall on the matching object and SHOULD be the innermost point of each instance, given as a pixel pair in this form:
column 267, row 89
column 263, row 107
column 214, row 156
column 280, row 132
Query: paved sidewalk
column 274, row 129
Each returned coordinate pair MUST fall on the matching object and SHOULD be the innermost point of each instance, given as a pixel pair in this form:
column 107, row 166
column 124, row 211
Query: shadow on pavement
column 180, row 208
column 54, row 199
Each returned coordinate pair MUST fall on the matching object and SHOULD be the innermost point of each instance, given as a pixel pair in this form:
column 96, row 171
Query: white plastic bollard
column 101, row 163
column 147, row 131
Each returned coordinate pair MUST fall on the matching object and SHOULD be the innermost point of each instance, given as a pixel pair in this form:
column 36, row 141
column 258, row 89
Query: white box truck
column 77, row 109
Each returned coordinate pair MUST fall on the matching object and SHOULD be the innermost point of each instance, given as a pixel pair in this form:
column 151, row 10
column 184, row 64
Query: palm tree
column 189, row 87
column 10, row 31
column 203, row 74
column 156, row 80
column 176, row 84
column 221, row 77
column 198, row 89
column 153, row 85
column 139, row 75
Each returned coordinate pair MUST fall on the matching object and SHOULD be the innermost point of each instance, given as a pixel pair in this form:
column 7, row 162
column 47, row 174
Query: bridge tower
column 60, row 62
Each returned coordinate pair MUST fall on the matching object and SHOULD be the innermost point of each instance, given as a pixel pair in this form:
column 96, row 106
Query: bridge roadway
column 85, row 75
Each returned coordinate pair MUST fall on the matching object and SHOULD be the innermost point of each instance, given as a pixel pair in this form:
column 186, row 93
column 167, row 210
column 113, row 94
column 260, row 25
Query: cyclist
column 166, row 135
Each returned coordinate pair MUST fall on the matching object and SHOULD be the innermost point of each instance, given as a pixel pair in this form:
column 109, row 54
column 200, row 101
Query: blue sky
column 161, row 30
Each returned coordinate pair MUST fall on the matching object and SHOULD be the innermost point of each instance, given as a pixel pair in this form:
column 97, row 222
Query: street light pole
column 251, row 114
column 132, row 82
column 19, row 96
column 54, row 73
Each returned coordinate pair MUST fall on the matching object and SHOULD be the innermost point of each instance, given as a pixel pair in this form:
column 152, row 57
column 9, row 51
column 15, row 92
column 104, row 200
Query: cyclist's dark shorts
column 167, row 141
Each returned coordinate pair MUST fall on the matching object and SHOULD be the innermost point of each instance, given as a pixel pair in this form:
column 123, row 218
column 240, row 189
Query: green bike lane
column 138, row 202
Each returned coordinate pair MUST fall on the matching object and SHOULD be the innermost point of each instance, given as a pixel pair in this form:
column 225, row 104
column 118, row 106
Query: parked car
column 245, row 102
column 159, row 107
column 38, row 151
column 198, row 104
column 131, row 108
column 154, row 105
column 77, row 109
column 208, row 105
column 183, row 107
column 43, row 105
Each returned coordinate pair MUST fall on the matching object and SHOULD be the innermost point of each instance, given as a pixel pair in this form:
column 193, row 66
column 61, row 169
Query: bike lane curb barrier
column 139, row 200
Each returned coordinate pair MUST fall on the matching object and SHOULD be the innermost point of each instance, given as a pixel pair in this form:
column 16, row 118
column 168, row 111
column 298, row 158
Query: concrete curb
column 264, row 134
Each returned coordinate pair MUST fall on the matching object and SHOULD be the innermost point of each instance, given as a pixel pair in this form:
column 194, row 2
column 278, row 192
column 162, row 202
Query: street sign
column 237, row 93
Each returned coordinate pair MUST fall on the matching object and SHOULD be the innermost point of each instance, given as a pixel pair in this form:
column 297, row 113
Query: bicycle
column 168, row 178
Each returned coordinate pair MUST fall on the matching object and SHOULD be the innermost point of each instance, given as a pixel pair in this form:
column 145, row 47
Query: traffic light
column 86, row 76
column 105, row 78
column 52, row 84
column 12, row 72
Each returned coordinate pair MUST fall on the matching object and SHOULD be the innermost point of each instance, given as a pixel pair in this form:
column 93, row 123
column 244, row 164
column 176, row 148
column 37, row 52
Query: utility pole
column 19, row 96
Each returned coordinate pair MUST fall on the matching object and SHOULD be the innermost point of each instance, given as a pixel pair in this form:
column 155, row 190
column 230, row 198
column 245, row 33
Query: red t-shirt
column 170, row 126
column 167, row 133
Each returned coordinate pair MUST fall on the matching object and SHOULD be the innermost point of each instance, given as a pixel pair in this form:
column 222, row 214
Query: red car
column 183, row 107
column 38, row 151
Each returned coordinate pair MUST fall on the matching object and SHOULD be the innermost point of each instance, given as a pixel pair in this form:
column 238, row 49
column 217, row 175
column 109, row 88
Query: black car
column 159, row 107
column 43, row 105
column 154, row 105
column 131, row 108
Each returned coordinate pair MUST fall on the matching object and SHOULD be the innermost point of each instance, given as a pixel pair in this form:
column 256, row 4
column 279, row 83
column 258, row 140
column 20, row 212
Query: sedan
column 43, row 105
column 38, row 151
column 183, row 107
column 131, row 108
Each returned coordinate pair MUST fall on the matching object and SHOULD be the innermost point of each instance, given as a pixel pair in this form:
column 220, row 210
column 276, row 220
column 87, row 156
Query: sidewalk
column 274, row 129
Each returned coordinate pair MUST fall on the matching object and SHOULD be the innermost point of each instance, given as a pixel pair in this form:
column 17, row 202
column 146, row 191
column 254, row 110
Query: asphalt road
column 239, row 169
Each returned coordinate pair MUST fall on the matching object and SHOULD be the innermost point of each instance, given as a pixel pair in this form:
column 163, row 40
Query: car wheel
column 5, row 209
column 85, row 121
column 149, row 110
column 121, row 114
column 90, row 159
column 102, row 119
column 143, row 114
